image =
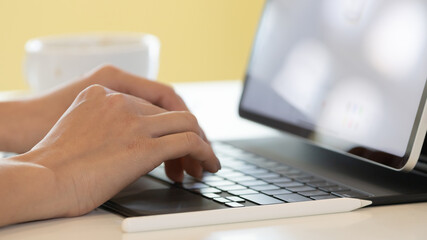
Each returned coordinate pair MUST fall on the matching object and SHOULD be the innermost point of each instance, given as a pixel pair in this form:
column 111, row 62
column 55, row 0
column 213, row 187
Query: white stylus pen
column 244, row 214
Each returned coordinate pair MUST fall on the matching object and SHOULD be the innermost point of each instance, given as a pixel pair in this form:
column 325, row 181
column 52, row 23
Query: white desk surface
column 215, row 104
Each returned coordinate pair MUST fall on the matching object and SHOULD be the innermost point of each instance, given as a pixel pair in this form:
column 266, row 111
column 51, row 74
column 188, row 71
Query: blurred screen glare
column 353, row 70
column 395, row 41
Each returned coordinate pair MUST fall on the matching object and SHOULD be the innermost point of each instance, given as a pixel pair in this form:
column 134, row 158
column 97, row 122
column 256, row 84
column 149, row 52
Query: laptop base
column 387, row 186
column 155, row 194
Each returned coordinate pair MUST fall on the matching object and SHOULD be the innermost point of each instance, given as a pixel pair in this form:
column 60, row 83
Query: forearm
column 16, row 122
column 28, row 192
column 23, row 123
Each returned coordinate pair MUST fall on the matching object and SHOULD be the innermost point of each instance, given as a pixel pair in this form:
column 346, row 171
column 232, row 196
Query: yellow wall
column 201, row 39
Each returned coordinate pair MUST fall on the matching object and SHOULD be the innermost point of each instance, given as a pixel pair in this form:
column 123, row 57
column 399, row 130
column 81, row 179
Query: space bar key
column 261, row 199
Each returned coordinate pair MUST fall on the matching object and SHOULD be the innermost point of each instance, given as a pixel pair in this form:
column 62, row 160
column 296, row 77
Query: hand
column 105, row 141
column 39, row 114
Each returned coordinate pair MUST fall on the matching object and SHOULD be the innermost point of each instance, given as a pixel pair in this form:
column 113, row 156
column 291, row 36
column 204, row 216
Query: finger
column 158, row 94
column 172, row 122
column 192, row 167
column 186, row 144
column 174, row 170
column 161, row 95
column 154, row 92
column 144, row 107
column 147, row 109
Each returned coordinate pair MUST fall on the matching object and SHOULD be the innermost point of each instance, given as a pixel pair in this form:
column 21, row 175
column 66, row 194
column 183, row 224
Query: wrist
column 32, row 192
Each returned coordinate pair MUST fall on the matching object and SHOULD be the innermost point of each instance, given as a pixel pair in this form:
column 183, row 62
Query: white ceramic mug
column 54, row 60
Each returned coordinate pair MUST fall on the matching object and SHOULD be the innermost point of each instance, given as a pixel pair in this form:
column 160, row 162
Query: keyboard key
column 247, row 166
column 289, row 184
column 188, row 179
column 236, row 199
column 299, row 175
column 255, row 171
column 211, row 195
column 321, row 184
column 253, row 183
column 229, row 174
column 300, row 189
column 257, row 160
column 225, row 170
column 278, row 180
column 313, row 193
column 234, row 204
column 334, row 189
column 205, row 173
column 282, row 167
column 233, row 163
column 265, row 187
column 303, row 179
column 212, row 178
column 289, row 171
column 195, row 185
column 221, row 200
column 269, row 164
column 231, row 187
column 293, row 197
column 239, row 153
column 276, row 192
column 350, row 194
column 308, row 179
column 220, row 183
column 323, row 197
column 261, row 199
column 242, row 178
column 267, row 175
column 207, row 190
column 242, row 192
column 295, row 172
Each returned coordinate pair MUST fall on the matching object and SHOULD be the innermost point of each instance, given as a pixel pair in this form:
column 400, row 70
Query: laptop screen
column 347, row 74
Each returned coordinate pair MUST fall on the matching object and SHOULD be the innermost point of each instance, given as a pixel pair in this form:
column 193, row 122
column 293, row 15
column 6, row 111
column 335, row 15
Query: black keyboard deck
column 247, row 179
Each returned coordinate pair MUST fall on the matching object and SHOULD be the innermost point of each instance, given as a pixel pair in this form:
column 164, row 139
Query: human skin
column 78, row 152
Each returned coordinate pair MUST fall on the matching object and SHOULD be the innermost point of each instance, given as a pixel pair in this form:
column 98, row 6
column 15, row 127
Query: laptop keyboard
column 247, row 179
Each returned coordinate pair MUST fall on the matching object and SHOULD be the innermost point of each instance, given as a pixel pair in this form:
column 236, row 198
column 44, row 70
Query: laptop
column 345, row 81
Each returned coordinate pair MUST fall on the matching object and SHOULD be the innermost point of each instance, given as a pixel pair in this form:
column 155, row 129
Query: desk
column 215, row 104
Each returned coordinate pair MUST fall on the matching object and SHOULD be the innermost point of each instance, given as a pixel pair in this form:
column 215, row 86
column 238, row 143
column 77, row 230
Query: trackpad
column 148, row 196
